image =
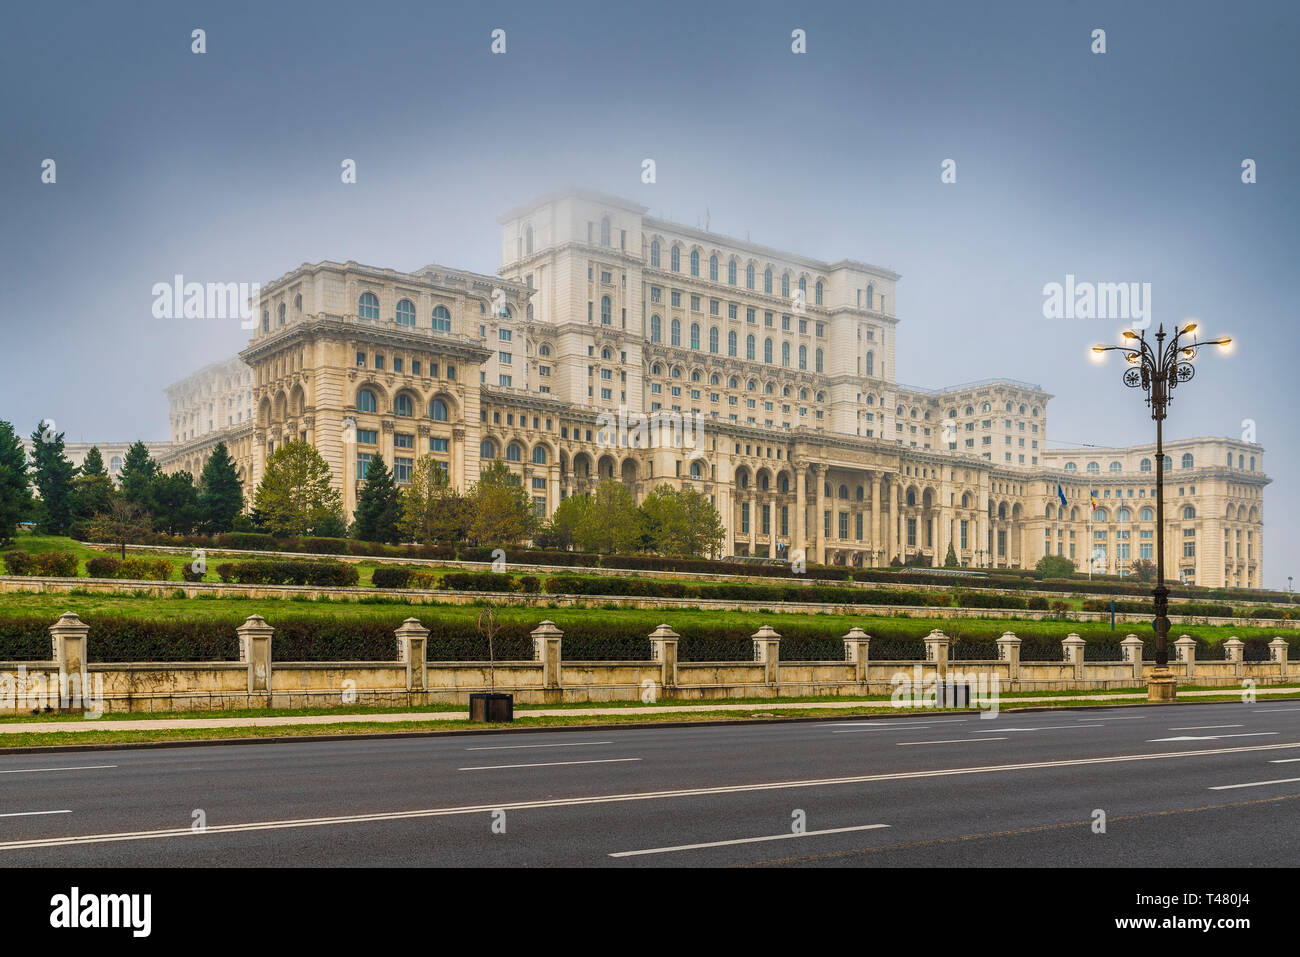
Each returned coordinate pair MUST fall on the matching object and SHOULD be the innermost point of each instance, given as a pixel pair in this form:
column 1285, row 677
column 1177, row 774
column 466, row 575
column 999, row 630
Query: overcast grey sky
column 224, row 167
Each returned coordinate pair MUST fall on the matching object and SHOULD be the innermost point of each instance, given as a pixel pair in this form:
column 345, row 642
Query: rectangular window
column 367, row 437
column 379, row 361
column 911, row 533
column 437, row 445
column 505, row 380
column 744, row 517
column 403, row 441
column 397, row 363
column 361, row 360
column 402, row 469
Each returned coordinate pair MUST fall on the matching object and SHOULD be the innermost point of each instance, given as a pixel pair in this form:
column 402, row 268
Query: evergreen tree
column 176, row 503
column 432, row 510
column 139, row 471
column 379, row 507
column 295, row 496
column 91, row 495
column 15, row 492
column 950, row 560
column 221, row 494
column 52, row 476
column 94, row 463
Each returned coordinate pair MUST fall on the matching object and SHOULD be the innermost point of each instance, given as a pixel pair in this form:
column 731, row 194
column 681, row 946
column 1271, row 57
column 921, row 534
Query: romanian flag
column 1093, row 499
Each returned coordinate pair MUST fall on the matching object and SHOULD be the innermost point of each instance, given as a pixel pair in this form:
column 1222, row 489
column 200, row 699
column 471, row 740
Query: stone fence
column 70, row 681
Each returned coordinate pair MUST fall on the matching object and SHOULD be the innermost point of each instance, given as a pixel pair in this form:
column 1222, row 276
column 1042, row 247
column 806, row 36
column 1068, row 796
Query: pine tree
column 176, row 503
column 52, row 476
column 221, row 494
column 94, row 462
column 295, row 496
column 950, row 560
column 139, row 471
column 378, row 506
column 15, row 492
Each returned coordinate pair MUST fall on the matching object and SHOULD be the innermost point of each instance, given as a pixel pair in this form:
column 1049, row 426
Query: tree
column 682, row 522
column 379, row 506
column 1054, row 566
column 52, row 476
column 432, row 511
column 560, row 530
column 91, row 494
column 15, row 493
column 122, row 524
column 137, row 477
column 93, row 463
column 500, row 511
column 295, row 496
column 221, row 494
column 176, row 503
column 950, row 560
column 1144, row 570
column 612, row 522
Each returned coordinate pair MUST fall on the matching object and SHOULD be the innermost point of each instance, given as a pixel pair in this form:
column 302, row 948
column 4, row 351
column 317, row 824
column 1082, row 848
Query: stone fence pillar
column 1234, row 651
column 68, row 643
column 412, row 650
column 936, row 651
column 1072, row 648
column 857, row 651
column 546, row 649
column 255, row 651
column 1277, row 651
column 1009, row 651
column 663, row 649
column 1132, row 648
column 767, row 651
column 1185, row 650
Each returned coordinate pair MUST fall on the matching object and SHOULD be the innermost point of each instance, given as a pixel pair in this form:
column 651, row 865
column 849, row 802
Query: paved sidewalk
column 147, row 724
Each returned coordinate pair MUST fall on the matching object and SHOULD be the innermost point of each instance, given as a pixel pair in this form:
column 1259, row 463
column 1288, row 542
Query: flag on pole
column 1093, row 500
column 707, row 218
column 1061, row 495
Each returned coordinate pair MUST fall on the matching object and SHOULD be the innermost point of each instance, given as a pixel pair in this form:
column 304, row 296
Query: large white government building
column 809, row 442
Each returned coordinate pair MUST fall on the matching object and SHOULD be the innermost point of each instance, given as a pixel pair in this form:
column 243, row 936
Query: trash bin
column 485, row 706
column 954, row 694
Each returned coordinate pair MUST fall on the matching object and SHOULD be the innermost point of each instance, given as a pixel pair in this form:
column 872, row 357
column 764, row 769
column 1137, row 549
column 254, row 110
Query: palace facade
column 808, row 441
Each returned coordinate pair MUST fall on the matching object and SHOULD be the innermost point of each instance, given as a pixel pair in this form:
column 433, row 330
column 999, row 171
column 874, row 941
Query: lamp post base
column 1161, row 686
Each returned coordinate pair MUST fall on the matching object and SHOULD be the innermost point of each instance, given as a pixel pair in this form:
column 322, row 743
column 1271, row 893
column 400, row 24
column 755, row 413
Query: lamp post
column 1157, row 369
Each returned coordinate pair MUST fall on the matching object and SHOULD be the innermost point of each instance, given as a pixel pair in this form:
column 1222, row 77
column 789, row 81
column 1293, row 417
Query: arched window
column 731, row 272
column 767, row 351
column 281, row 313
column 803, row 286
column 606, row 354
column 656, row 333
column 366, row 401
column 785, row 284
column 405, row 312
column 696, row 472
column 819, row 360
column 785, row 354
column 675, row 259
column 1144, row 465
column 695, row 335
column 713, row 338
column 1123, row 515
column 1187, row 460
column 606, row 311
column 528, row 240
column 545, row 350
column 1071, row 467
column 1189, row 513
column 604, row 231
column 731, row 343
column 297, row 303
column 713, row 268
column 438, row 410
column 695, row 262
column 817, row 292
column 871, row 296
column 911, row 496
column 1169, row 463
column 749, row 276
column 654, row 254
column 871, row 370
column 987, row 407
column 767, row 279
column 441, row 319
column 749, row 347
column 1094, row 468
column 368, row 306
column 266, row 327
column 488, row 450
column 514, row 452
column 676, row 333
column 803, row 357
column 783, row 483
column 1099, row 515
column 1147, row 514
column 1116, row 467
column 403, row 406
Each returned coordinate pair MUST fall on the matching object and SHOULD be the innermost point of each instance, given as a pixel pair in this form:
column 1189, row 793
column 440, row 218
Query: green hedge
column 289, row 572
column 42, row 564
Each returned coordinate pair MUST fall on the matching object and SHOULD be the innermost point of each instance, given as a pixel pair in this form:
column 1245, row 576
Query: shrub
column 247, row 541
column 530, row 584
column 967, row 599
column 1036, row 603
column 56, row 564
column 189, row 574
column 142, row 569
column 475, row 581
column 325, row 546
column 102, row 566
column 290, row 572
column 18, row 563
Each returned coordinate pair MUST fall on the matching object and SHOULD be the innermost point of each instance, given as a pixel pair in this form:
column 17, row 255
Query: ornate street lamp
column 1157, row 369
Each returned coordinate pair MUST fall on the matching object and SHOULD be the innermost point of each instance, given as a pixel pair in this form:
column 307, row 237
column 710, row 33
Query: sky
column 1122, row 166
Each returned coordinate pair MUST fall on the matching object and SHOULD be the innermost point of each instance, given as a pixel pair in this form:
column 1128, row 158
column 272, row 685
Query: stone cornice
column 376, row 332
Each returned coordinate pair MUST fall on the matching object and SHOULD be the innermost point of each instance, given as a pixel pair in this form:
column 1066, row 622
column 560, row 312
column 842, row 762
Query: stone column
column 818, row 477
column 767, row 651
column 412, row 642
column 1132, row 648
column 753, row 523
column 799, row 541
column 1185, row 649
column 892, row 536
column 456, row 469
column 875, row 513
column 546, row 649
column 1009, row 651
column 936, row 651
column 1072, row 647
column 68, row 643
column 663, row 649
column 1233, row 650
column 255, row 651
column 1277, row 651
column 857, row 651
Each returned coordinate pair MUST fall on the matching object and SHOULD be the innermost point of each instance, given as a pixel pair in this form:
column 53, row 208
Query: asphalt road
column 1209, row 785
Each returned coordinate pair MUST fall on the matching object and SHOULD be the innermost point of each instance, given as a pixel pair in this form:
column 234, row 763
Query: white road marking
column 1207, row 727
column 84, row 767
column 1253, row 784
column 1127, row 717
column 748, row 840
column 32, row 813
column 622, row 798
column 1212, row 737
column 511, row 747
column 1050, row 727
column 889, row 726
column 1284, row 761
column 552, row 764
column 1271, row 710
column 904, row 744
